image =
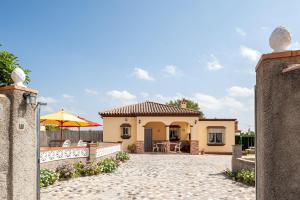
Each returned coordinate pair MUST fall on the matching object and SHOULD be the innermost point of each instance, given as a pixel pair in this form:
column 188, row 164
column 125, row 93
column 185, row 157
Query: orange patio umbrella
column 62, row 119
column 88, row 124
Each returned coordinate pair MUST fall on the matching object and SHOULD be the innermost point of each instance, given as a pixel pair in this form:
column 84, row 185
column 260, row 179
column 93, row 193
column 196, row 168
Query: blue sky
column 87, row 56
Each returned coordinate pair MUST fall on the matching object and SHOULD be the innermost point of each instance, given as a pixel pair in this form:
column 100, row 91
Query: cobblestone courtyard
column 148, row 176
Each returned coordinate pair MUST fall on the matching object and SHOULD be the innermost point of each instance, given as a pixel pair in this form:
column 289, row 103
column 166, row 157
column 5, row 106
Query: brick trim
column 194, row 148
column 140, row 147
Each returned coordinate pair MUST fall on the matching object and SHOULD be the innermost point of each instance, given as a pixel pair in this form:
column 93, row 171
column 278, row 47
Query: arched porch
column 169, row 134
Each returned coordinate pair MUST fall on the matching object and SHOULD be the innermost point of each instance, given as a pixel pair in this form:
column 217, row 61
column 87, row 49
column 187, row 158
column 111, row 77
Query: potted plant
column 131, row 148
column 202, row 152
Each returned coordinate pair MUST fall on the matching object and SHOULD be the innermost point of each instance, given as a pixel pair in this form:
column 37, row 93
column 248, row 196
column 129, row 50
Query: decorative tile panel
column 61, row 154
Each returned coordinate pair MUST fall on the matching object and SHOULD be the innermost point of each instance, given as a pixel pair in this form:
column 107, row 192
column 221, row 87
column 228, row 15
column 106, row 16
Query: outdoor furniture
column 177, row 147
column 67, row 143
column 162, row 146
column 155, row 147
column 81, row 143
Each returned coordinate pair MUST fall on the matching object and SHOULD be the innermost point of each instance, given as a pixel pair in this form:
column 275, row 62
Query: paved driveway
column 157, row 177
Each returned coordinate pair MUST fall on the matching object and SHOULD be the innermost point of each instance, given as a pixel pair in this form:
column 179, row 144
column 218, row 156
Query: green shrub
column 230, row 173
column 245, row 176
column 107, row 165
column 122, row 156
column 86, row 169
column 65, row 171
column 47, row 177
column 79, row 169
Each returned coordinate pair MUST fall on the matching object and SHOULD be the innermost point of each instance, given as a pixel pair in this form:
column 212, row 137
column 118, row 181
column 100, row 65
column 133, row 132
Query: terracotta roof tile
column 149, row 108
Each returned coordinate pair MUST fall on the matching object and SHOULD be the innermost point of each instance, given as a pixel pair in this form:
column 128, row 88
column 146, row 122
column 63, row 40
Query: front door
column 148, row 140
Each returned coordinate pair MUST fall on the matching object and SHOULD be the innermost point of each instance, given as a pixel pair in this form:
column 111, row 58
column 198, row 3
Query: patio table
column 161, row 145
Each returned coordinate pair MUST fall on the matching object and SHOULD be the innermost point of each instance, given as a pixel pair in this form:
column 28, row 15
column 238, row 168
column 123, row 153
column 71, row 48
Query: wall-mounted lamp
column 140, row 121
column 30, row 98
column 195, row 121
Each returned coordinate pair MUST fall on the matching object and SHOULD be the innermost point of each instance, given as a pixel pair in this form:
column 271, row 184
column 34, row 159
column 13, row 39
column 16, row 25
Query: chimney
column 183, row 103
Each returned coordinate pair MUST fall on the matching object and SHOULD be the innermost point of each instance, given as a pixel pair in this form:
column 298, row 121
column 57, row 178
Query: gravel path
column 153, row 176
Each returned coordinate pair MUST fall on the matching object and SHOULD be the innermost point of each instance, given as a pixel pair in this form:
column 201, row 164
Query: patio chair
column 67, row 143
column 164, row 147
column 177, row 147
column 81, row 143
column 155, row 147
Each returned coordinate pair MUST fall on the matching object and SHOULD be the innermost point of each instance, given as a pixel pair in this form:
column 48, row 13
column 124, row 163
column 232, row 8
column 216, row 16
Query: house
column 147, row 123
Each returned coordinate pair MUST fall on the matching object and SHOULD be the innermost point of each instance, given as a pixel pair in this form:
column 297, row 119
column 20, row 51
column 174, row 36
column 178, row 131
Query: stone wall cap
column 14, row 87
column 273, row 55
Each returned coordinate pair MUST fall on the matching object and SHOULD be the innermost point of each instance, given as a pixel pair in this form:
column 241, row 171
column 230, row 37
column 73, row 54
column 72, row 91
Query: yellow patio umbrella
column 62, row 119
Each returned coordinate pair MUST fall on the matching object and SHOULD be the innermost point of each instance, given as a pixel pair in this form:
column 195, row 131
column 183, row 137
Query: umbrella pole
column 79, row 132
column 61, row 131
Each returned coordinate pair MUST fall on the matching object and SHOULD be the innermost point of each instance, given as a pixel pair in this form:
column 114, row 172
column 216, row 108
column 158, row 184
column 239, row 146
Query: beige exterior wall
column 229, row 136
column 198, row 130
column 112, row 130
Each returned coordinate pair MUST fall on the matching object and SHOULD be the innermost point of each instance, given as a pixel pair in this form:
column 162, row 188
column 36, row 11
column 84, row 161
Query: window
column 174, row 134
column 125, row 131
column 216, row 135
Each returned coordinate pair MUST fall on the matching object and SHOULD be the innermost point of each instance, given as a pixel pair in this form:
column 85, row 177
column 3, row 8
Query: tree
column 190, row 104
column 8, row 62
column 52, row 128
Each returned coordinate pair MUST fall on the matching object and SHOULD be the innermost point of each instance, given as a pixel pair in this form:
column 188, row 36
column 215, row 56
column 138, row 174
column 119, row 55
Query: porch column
column 140, row 138
column 194, row 146
column 168, row 137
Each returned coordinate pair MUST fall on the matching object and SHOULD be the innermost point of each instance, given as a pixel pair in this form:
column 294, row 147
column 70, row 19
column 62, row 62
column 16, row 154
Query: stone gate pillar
column 140, row 138
column 236, row 153
column 278, row 126
column 194, row 145
column 18, row 166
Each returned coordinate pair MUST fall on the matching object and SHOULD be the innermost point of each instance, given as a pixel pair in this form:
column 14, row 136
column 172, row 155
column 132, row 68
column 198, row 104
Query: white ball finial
column 18, row 76
column 280, row 39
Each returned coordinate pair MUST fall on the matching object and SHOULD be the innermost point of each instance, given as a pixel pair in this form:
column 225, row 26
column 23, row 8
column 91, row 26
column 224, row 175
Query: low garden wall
column 239, row 162
column 244, row 163
column 51, row 157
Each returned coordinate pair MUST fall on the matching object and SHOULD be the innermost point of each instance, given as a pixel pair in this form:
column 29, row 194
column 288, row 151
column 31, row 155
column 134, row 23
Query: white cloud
column 48, row 100
column 171, row 70
column 124, row 96
column 211, row 103
column 91, row 92
column 249, row 53
column 142, row 74
column 237, row 91
column 67, row 96
column 240, row 31
column 208, row 102
column 214, row 64
column 233, row 104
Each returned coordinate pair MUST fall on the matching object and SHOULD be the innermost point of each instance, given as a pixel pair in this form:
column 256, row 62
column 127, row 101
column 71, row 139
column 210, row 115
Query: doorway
column 148, row 140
